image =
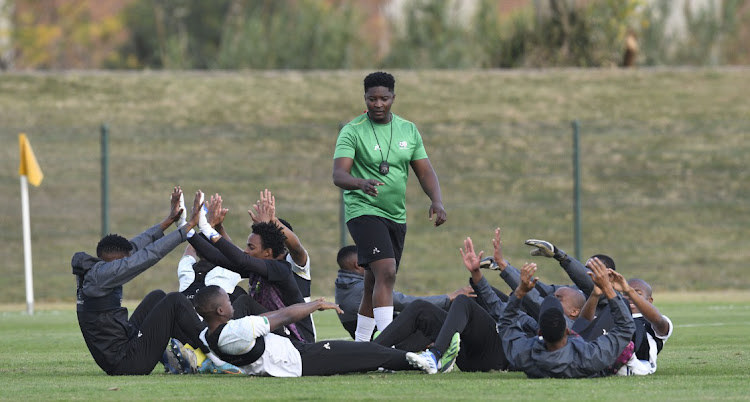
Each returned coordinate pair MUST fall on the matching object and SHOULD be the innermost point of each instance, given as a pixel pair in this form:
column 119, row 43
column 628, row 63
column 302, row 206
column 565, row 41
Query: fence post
column 576, row 190
column 105, row 178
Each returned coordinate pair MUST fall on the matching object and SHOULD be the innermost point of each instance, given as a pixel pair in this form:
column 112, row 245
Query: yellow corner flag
column 29, row 166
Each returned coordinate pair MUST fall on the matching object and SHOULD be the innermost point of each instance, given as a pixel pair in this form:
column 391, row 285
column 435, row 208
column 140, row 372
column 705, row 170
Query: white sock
column 365, row 326
column 383, row 316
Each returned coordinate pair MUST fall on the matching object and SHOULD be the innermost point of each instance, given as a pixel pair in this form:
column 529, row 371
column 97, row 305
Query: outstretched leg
column 414, row 328
column 341, row 357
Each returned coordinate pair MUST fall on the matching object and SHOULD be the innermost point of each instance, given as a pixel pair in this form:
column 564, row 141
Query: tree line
column 338, row 34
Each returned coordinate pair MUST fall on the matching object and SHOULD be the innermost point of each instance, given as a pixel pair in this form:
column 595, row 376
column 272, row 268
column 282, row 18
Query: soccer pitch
column 45, row 358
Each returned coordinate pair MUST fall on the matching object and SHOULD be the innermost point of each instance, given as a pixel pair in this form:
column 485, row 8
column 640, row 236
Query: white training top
column 302, row 272
column 218, row 276
column 280, row 358
column 634, row 366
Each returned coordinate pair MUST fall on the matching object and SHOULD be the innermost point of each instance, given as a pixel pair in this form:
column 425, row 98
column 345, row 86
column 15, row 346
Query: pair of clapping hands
column 208, row 215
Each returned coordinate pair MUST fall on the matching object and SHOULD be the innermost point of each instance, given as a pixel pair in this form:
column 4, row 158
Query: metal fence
column 668, row 201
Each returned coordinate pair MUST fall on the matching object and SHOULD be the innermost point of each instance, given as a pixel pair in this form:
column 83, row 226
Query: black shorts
column 377, row 238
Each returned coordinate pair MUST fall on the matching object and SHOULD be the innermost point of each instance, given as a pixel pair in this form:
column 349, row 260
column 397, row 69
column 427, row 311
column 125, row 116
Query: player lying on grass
column 249, row 343
column 132, row 346
column 652, row 329
column 559, row 354
column 474, row 323
column 578, row 273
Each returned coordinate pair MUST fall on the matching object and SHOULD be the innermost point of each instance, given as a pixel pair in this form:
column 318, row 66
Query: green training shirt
column 357, row 141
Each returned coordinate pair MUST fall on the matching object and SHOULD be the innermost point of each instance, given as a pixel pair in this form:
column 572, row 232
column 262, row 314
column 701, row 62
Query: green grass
column 45, row 358
column 663, row 159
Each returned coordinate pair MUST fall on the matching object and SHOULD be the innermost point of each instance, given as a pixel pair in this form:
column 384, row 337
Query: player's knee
column 418, row 305
column 385, row 277
column 462, row 299
column 158, row 293
column 177, row 297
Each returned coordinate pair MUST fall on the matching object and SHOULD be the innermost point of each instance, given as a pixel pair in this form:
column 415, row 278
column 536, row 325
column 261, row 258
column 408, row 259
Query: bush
column 174, row 34
column 712, row 35
column 432, row 36
column 590, row 36
column 506, row 40
column 304, row 34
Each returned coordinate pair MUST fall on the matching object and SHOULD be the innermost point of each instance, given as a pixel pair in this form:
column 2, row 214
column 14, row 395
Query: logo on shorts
column 327, row 345
column 375, row 250
column 140, row 334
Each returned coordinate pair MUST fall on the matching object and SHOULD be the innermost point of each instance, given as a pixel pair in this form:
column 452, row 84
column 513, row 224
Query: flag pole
column 27, row 245
column 30, row 172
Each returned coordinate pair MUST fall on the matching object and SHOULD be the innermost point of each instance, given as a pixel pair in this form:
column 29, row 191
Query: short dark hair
column 344, row 253
column 206, row 300
column 380, row 79
column 113, row 244
column 286, row 223
column 271, row 237
column 649, row 291
column 552, row 322
column 606, row 260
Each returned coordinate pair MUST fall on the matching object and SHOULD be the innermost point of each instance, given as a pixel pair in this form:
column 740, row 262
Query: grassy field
column 663, row 156
column 45, row 358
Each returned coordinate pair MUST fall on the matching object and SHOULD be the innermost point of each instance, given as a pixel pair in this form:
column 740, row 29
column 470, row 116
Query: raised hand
column 216, row 213
column 175, row 211
column 497, row 244
column 470, row 258
column 528, row 280
column 195, row 213
column 600, row 276
column 619, row 282
column 265, row 208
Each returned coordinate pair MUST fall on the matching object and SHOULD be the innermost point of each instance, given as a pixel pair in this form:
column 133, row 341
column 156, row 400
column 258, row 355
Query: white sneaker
column 424, row 361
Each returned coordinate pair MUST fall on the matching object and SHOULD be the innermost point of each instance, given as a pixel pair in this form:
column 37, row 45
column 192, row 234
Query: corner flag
column 29, row 166
column 30, row 172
